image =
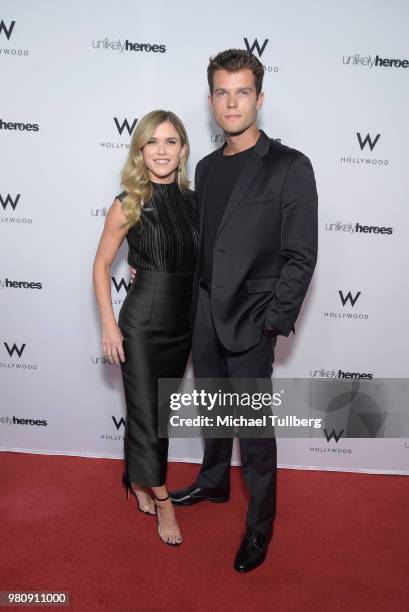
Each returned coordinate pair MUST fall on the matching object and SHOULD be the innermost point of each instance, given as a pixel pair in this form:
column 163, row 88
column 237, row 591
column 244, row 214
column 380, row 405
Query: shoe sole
column 245, row 571
column 192, row 502
column 248, row 569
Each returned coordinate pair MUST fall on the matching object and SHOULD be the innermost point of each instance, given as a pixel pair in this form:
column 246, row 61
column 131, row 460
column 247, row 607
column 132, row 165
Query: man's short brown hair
column 236, row 59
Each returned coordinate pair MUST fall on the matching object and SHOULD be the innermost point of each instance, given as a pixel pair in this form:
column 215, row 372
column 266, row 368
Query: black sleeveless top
column 166, row 237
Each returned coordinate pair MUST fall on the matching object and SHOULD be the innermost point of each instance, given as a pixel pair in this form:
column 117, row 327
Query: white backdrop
column 68, row 85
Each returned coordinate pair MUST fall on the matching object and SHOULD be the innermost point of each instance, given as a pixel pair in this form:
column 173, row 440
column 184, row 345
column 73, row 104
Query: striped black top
column 166, row 237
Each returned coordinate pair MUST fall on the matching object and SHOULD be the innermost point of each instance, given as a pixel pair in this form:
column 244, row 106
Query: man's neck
column 235, row 143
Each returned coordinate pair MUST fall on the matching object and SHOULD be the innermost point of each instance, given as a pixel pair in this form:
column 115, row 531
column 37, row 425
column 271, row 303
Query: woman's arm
column 112, row 236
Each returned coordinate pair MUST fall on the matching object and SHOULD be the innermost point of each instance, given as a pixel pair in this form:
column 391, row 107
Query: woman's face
column 162, row 153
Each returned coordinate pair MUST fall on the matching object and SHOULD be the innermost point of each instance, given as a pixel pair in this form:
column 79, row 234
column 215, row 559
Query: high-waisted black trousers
column 155, row 323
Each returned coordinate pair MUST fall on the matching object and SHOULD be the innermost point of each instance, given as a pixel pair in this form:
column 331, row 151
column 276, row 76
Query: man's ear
column 260, row 100
column 210, row 100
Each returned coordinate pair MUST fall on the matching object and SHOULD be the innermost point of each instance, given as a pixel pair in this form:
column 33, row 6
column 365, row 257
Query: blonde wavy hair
column 135, row 177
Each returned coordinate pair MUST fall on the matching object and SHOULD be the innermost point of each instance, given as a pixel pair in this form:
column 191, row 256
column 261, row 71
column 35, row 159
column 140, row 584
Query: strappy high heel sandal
column 129, row 489
column 167, row 539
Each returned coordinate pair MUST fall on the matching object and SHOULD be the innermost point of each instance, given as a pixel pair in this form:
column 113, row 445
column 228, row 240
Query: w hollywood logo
column 367, row 141
column 259, row 48
column 15, row 351
column 120, row 426
column 9, row 200
column 8, row 204
column 256, row 45
column 124, row 128
column 7, row 30
column 348, row 297
column 367, row 144
column 11, row 350
column 333, row 434
column 121, row 285
column 348, row 301
column 125, row 124
column 118, row 422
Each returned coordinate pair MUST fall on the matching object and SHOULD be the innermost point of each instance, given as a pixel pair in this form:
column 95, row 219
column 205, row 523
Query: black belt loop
column 205, row 285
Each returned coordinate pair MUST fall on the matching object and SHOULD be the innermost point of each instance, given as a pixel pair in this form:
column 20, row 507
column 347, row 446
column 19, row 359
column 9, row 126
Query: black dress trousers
column 258, row 456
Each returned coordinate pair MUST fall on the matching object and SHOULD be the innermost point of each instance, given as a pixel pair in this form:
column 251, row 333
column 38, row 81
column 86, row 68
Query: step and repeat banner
column 76, row 77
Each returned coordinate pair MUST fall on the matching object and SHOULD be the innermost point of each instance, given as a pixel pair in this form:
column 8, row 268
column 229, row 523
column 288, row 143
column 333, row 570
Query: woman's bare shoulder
column 116, row 217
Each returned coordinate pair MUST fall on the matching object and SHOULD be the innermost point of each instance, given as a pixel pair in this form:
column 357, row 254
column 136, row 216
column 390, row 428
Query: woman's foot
column 145, row 501
column 168, row 529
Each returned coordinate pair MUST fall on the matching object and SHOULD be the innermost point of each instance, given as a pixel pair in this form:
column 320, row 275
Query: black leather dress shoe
column 194, row 494
column 252, row 551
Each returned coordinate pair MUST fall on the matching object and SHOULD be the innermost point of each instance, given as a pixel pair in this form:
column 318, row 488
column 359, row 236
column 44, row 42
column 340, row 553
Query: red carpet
column 341, row 541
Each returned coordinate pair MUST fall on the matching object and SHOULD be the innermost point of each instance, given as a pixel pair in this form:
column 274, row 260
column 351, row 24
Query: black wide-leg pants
column 258, row 456
column 155, row 323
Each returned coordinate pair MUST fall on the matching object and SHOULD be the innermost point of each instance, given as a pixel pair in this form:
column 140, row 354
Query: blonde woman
column 156, row 212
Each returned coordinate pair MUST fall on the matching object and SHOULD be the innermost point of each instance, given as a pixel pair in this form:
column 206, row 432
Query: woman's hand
column 112, row 343
column 114, row 233
column 132, row 272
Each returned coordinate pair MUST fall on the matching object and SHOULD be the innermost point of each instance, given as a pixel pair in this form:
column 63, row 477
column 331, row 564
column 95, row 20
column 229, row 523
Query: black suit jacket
column 265, row 249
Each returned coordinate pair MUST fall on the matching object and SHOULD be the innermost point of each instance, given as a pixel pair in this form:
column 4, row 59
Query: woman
column 157, row 214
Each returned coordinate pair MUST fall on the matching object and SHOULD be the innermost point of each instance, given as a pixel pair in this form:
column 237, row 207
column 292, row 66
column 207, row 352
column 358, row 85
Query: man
column 257, row 252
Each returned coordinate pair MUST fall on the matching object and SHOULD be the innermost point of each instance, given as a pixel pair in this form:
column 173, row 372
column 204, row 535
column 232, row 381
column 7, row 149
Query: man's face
column 234, row 101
